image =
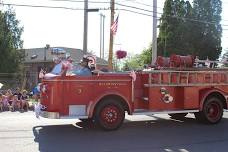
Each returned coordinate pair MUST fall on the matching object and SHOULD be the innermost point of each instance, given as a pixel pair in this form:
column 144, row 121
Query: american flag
column 115, row 25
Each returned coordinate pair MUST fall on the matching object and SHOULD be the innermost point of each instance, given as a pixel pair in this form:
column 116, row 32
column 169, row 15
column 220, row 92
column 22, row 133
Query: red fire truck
column 177, row 88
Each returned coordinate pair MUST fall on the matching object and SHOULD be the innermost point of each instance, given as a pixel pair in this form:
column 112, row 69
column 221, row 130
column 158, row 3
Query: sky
column 61, row 27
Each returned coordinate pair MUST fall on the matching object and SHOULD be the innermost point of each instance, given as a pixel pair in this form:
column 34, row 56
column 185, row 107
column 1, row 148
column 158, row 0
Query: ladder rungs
column 186, row 77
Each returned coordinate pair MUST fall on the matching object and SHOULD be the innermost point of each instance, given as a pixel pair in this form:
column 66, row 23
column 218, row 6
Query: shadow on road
column 133, row 136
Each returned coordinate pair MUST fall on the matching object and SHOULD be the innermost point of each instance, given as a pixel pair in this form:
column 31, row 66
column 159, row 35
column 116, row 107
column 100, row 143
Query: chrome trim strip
column 87, row 80
column 132, row 91
column 186, row 85
column 147, row 112
column 74, row 117
column 52, row 95
column 193, row 71
column 55, row 115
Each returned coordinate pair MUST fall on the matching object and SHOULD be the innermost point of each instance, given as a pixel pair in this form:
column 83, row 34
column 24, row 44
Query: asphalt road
column 22, row 132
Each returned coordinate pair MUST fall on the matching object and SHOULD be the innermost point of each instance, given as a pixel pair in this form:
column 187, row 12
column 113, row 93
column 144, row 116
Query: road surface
column 22, row 132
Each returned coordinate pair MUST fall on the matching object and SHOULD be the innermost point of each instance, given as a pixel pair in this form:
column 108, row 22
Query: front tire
column 109, row 114
column 212, row 111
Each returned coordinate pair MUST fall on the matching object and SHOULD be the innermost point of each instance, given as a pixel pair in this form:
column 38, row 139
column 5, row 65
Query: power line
column 41, row 6
column 44, row 6
column 138, row 3
column 134, row 7
column 127, row 10
column 78, row 1
column 69, row 8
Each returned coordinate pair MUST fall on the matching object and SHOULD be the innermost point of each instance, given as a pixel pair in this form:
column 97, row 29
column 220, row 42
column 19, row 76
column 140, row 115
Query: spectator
column 18, row 93
column 5, row 100
column 16, row 104
column 36, row 92
column 8, row 99
column 24, row 100
column 1, row 102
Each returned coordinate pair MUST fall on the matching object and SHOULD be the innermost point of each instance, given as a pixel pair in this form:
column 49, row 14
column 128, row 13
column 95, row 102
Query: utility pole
column 110, row 56
column 85, row 33
column 102, row 17
column 103, row 37
column 154, row 38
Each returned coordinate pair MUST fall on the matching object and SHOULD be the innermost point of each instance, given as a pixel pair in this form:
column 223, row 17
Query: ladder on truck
column 175, row 78
column 187, row 78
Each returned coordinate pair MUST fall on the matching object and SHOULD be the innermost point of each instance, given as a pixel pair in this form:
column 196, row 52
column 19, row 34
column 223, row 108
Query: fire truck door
column 76, row 98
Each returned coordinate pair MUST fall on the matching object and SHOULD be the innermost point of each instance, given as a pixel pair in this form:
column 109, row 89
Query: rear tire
column 212, row 111
column 109, row 114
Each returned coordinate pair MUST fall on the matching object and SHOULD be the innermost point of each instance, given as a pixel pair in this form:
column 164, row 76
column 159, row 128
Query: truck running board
column 149, row 112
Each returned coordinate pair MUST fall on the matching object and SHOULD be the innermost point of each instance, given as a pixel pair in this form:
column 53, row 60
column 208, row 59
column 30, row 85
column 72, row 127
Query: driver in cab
column 84, row 70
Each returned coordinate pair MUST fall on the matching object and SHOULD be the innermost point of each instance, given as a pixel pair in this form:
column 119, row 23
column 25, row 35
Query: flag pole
column 110, row 57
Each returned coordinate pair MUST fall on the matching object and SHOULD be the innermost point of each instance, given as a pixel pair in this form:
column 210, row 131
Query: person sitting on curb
column 8, row 99
column 1, row 102
column 24, row 101
column 18, row 94
column 16, row 104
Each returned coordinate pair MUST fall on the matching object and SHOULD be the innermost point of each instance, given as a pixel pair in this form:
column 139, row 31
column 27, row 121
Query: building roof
column 35, row 55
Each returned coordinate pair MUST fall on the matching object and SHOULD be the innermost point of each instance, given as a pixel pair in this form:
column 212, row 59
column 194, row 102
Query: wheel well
column 117, row 98
column 220, row 96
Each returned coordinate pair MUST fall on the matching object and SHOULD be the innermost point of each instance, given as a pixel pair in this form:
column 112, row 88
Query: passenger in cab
column 58, row 66
column 56, row 71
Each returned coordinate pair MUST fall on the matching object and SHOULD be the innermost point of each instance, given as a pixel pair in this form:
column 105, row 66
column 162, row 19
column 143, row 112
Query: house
column 42, row 58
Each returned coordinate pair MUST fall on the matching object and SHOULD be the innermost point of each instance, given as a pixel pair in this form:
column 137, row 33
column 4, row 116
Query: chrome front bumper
column 75, row 112
column 39, row 111
column 50, row 115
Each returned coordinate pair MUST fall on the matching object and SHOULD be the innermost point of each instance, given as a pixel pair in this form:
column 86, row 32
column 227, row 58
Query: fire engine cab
column 176, row 86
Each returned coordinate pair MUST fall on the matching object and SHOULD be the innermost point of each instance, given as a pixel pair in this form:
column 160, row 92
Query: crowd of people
column 12, row 101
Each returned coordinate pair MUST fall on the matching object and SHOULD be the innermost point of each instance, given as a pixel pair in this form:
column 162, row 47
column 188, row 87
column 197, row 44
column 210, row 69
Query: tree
column 224, row 58
column 174, row 35
column 10, row 42
column 187, row 29
column 138, row 61
column 207, row 28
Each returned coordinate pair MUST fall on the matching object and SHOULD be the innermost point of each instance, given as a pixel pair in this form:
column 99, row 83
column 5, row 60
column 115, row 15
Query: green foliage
column 174, row 31
column 187, row 29
column 10, row 42
column 138, row 61
column 133, row 63
column 225, row 58
column 207, row 34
